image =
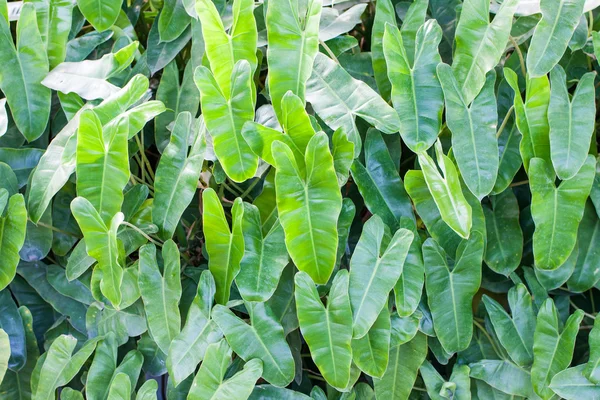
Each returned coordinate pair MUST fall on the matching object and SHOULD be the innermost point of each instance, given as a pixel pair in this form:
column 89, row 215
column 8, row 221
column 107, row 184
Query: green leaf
column 384, row 14
column 267, row 392
column 585, row 275
column 504, row 376
column 161, row 293
column 557, row 211
column 177, row 174
column 374, row 269
column 21, row 73
column 480, row 43
column 210, row 382
column 548, row 360
column 293, row 37
column 338, row 99
column 401, row 373
column 173, row 20
column 225, row 247
column 309, row 217
column 409, row 287
column 148, row 391
column 592, row 370
column 504, row 246
column 189, row 347
column 5, row 354
column 12, row 324
column 327, row 329
column 101, row 244
column 473, row 129
column 571, row 384
column 225, row 113
column 571, row 122
column 416, row 92
column 101, row 14
column 120, row 388
column 532, row 116
column 370, row 352
column 343, row 155
column 54, row 21
column 12, row 236
column 159, row 53
column 263, row 339
column 379, row 182
column 552, row 34
column 446, row 191
column 450, row 292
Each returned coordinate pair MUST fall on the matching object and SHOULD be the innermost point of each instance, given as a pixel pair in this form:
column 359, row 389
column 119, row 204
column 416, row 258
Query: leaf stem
column 575, row 306
column 141, row 232
column 485, row 332
column 328, row 50
column 55, row 229
column 505, row 121
column 144, row 158
column 521, row 59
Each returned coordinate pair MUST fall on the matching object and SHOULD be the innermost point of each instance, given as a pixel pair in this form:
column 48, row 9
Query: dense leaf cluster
column 298, row 199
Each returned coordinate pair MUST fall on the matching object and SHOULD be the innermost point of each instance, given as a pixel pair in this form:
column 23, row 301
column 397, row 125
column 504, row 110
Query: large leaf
column 504, row 376
column 416, row 91
column 473, row 129
column 293, row 36
column 592, row 370
column 585, row 275
column 327, row 329
column 557, row 211
column 571, row 384
column 12, row 325
column 384, row 15
column 101, row 14
column 161, row 293
column 54, row 21
column 263, row 339
column 225, row 247
column 338, row 99
column 309, row 206
column 370, row 353
column 409, row 287
column 374, row 270
column 22, row 70
column 552, row 34
column 172, row 20
column 12, row 236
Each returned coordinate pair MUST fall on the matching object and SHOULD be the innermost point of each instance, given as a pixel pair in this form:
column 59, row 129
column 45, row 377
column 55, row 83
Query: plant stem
column 505, row 121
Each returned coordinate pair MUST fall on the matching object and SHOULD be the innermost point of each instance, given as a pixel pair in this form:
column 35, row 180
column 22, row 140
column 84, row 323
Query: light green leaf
column 4, row 353
column 54, row 22
column 343, row 155
column 327, row 329
column 571, row 384
column 557, row 211
column 225, row 247
column 148, row 391
column 101, row 14
column 416, row 92
column 384, row 14
column 374, row 270
column 504, row 376
column 592, row 370
column 552, row 34
column 12, row 236
column 173, row 20
column 370, row 352
column 120, row 388
column 409, row 287
column 309, row 217
column 263, row 339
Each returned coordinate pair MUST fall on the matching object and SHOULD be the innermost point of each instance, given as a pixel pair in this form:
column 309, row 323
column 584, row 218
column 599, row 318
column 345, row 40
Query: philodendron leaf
column 264, row 259
column 225, row 247
column 552, row 347
column 374, row 270
column 338, row 99
column 173, row 20
column 263, row 339
column 309, row 206
column 161, row 293
column 552, row 34
column 189, row 347
column 370, row 353
column 571, row 122
column 557, row 211
column 572, row 384
column 384, row 15
column 293, row 37
column 327, row 329
column 225, row 113
column 450, row 292
column 21, row 72
column 446, row 191
column 592, row 368
column 12, row 235
column 416, row 91
column 480, row 43
column 101, row 14
column 101, row 244
column 54, row 21
column 120, row 387
column 504, row 376
column 409, row 287
column 89, row 78
column 177, row 173
column 4, row 354
column 473, row 127
column 210, row 382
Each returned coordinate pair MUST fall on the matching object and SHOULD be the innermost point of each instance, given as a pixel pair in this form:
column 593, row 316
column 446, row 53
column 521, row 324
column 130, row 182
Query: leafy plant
column 237, row 199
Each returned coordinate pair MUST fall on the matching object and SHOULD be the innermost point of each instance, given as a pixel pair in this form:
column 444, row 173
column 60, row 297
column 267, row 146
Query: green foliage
column 293, row 200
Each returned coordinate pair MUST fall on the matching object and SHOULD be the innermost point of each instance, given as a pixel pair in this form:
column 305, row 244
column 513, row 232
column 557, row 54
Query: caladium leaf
column 571, row 122
column 552, row 34
column 12, row 235
column 293, row 45
column 309, row 217
column 480, row 43
column 225, row 247
column 177, row 173
column 327, row 329
column 101, row 14
column 416, row 92
column 557, row 211
column 473, row 129
column 446, row 191
column 161, row 293
column 370, row 352
column 374, row 270
column 21, row 74
column 547, row 361
column 263, row 339
column 225, row 114
column 338, row 99
column 450, row 292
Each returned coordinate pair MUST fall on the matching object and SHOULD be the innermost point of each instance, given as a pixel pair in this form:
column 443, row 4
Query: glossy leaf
column 12, row 236
column 370, row 353
column 101, row 14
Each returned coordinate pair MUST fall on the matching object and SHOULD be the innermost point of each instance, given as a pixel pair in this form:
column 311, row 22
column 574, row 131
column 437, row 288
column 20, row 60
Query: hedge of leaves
column 291, row 200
